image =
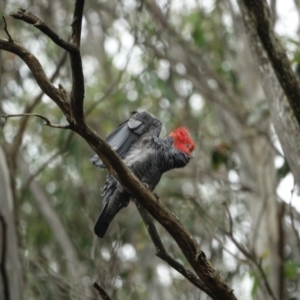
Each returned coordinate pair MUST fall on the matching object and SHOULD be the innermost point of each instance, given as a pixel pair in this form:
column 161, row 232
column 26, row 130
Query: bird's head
column 182, row 140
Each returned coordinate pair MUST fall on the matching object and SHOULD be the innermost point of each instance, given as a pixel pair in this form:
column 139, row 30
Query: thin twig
column 47, row 121
column 251, row 256
column 29, row 108
column 61, row 150
column 110, row 90
column 162, row 253
column 30, row 18
column 6, row 30
column 101, row 291
column 58, row 95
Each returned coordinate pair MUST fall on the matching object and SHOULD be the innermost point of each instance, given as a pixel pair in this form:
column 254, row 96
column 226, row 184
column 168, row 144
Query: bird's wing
column 126, row 134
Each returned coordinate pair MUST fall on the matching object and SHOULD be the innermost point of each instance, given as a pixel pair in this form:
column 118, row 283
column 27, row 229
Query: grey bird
column 147, row 155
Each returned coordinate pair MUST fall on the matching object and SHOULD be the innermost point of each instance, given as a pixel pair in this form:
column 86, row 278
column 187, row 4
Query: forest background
column 201, row 64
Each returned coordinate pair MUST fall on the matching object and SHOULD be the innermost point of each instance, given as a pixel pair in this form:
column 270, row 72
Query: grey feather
column 127, row 133
column 148, row 157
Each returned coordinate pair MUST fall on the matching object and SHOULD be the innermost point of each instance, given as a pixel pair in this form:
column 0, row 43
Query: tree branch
column 15, row 145
column 29, row 179
column 214, row 285
column 251, row 256
column 217, row 288
column 77, row 93
column 283, row 118
column 163, row 254
column 6, row 30
column 30, row 18
column 259, row 14
column 47, row 122
column 77, row 22
column 101, row 291
column 57, row 95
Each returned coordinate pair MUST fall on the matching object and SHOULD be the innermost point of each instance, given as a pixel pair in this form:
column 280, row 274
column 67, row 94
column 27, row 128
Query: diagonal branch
column 77, row 93
column 283, row 118
column 210, row 277
column 162, row 253
column 259, row 14
column 30, row 18
column 101, row 291
column 58, row 95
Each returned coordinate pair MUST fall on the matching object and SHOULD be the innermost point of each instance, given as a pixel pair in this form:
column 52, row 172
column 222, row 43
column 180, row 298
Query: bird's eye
column 188, row 145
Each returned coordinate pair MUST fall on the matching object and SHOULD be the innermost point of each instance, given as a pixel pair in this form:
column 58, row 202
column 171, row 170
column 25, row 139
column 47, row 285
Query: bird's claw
column 146, row 185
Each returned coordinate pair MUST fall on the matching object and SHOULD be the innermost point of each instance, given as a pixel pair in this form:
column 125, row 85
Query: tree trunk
column 11, row 273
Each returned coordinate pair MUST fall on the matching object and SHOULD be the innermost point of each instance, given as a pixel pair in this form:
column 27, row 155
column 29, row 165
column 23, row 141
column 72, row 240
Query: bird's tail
column 103, row 222
column 112, row 206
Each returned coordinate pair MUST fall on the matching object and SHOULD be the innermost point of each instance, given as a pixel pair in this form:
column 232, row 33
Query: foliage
column 189, row 72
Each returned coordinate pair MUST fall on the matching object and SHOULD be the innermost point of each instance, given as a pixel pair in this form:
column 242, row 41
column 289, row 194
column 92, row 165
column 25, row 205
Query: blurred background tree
column 188, row 63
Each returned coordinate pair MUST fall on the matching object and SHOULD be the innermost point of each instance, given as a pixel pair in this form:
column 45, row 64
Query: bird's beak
column 192, row 154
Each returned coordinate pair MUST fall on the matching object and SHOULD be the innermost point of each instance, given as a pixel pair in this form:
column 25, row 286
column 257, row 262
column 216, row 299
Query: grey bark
column 11, row 276
column 285, row 123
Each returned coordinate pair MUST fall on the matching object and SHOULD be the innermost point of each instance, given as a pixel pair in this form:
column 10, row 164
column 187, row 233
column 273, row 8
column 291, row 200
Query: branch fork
column 205, row 277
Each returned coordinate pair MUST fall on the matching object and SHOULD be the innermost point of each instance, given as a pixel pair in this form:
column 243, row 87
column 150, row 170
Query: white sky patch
column 51, row 187
column 164, row 275
column 111, row 46
column 278, row 162
column 242, row 287
column 129, row 4
column 188, row 189
column 54, row 266
column 132, row 95
column 288, row 21
column 105, row 253
column 118, row 282
column 233, row 176
column 127, row 253
column 136, row 54
column 180, row 68
column 91, row 64
column 285, row 189
column 175, row 274
column 196, row 102
column 163, row 70
column 164, row 103
column 84, row 30
column 186, row 6
column 184, row 87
